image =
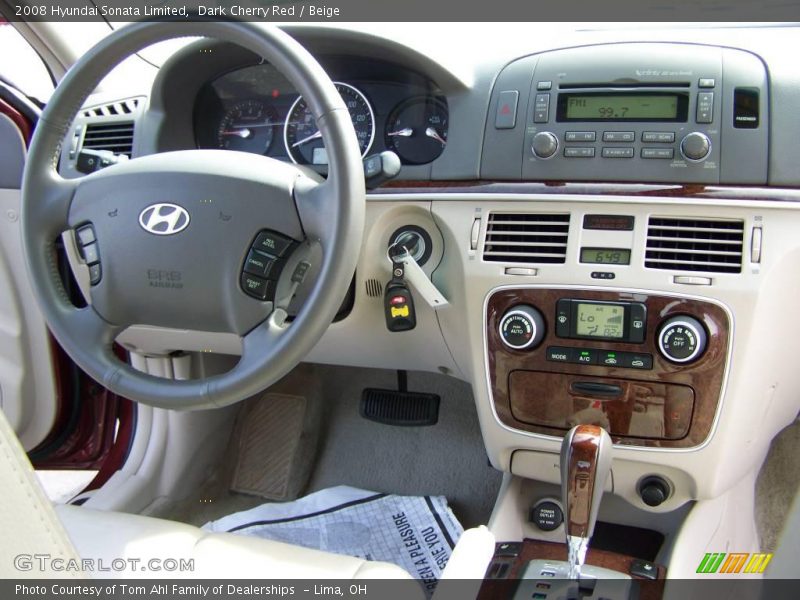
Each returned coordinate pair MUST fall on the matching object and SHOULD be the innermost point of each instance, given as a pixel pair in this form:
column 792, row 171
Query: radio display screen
column 600, row 320
column 660, row 106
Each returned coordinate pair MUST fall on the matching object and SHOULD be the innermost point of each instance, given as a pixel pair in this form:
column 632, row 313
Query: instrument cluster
column 255, row 109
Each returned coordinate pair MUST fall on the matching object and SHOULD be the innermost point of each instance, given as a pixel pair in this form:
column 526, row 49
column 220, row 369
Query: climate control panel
column 647, row 367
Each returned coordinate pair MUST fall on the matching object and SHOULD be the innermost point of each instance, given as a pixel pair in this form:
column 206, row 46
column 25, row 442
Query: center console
column 648, row 368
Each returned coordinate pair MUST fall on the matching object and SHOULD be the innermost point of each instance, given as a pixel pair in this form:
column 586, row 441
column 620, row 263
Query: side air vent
column 684, row 244
column 123, row 107
column 374, row 288
column 526, row 238
column 114, row 137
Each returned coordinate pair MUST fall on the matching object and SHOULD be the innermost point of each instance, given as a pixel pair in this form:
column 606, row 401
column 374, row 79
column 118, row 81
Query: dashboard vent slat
column 687, row 244
column 526, row 238
column 116, row 137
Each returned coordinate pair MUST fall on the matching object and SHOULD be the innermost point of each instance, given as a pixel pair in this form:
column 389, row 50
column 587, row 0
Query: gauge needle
column 242, row 132
column 432, row 133
column 313, row 136
column 405, row 132
column 252, row 125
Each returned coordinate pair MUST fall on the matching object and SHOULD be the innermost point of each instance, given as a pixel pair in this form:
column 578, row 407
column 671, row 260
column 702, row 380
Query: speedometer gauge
column 303, row 139
column 248, row 126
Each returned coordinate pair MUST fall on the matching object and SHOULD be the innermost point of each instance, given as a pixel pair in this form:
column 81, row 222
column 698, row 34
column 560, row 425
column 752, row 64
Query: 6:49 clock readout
column 606, row 256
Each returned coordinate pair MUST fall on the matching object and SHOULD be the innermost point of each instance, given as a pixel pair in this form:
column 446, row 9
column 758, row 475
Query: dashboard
column 640, row 186
column 255, row 109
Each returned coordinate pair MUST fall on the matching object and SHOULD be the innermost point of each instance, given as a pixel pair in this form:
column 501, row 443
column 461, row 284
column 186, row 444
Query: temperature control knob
column 544, row 144
column 682, row 339
column 695, row 146
column 522, row 327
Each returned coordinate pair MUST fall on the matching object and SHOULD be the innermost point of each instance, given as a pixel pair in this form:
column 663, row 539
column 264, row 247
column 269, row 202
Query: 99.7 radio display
column 606, row 256
column 621, row 107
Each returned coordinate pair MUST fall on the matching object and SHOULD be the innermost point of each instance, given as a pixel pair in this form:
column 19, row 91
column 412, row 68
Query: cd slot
column 626, row 86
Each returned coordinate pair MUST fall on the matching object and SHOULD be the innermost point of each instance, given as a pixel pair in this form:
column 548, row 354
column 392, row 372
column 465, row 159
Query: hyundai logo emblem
column 164, row 218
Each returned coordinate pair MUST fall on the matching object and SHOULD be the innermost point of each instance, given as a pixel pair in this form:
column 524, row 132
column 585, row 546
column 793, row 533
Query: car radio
column 631, row 112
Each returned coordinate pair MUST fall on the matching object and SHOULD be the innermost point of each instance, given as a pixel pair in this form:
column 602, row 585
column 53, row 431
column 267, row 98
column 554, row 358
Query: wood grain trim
column 705, row 376
column 582, row 475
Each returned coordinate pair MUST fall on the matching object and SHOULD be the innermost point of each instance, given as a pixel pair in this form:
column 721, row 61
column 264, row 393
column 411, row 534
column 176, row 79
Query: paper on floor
column 417, row 533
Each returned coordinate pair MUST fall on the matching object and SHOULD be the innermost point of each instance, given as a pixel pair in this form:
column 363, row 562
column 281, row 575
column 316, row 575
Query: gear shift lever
column 585, row 463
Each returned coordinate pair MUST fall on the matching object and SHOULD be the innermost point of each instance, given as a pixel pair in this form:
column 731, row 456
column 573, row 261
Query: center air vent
column 115, row 137
column 526, row 238
column 684, row 244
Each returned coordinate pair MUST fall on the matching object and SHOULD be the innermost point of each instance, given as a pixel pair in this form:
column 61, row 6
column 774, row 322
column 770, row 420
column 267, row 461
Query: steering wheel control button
column 682, row 339
column 263, row 265
column 546, row 515
column 258, row 288
column 90, row 253
column 95, row 273
column 522, row 328
column 85, row 235
column 272, row 243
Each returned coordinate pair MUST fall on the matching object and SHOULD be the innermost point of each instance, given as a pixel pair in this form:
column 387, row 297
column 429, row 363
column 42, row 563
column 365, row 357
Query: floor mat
column 417, row 533
column 268, row 443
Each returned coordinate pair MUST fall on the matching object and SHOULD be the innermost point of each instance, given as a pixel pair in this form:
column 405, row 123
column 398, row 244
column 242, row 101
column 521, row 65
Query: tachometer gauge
column 304, row 141
column 248, row 126
column 417, row 130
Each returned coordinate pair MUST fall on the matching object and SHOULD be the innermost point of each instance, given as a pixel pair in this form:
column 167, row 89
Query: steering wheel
column 173, row 231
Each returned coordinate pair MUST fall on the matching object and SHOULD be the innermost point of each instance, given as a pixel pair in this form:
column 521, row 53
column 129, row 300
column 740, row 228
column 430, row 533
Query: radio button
column 695, row 146
column 658, row 137
column 658, row 153
column 705, row 107
column 580, row 136
column 617, row 152
column 706, row 83
column 541, row 108
column 544, row 145
column 559, row 354
column 618, row 136
column 578, row 152
column 548, row 85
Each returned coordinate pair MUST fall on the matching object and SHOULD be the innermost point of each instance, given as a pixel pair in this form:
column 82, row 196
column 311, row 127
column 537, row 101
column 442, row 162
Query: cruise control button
column 95, row 274
column 272, row 243
column 585, row 356
column 263, row 265
column 559, row 354
column 261, row 289
column 85, row 235
column 90, row 253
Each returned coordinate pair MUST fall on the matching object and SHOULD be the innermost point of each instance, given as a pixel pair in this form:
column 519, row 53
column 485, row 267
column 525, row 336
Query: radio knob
column 695, row 146
column 682, row 339
column 522, row 327
column 544, row 145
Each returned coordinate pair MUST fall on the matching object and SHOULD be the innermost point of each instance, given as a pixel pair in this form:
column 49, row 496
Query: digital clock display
column 622, row 107
column 606, row 256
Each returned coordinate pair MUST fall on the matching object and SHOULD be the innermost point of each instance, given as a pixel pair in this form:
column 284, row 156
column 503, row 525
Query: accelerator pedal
column 400, row 407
